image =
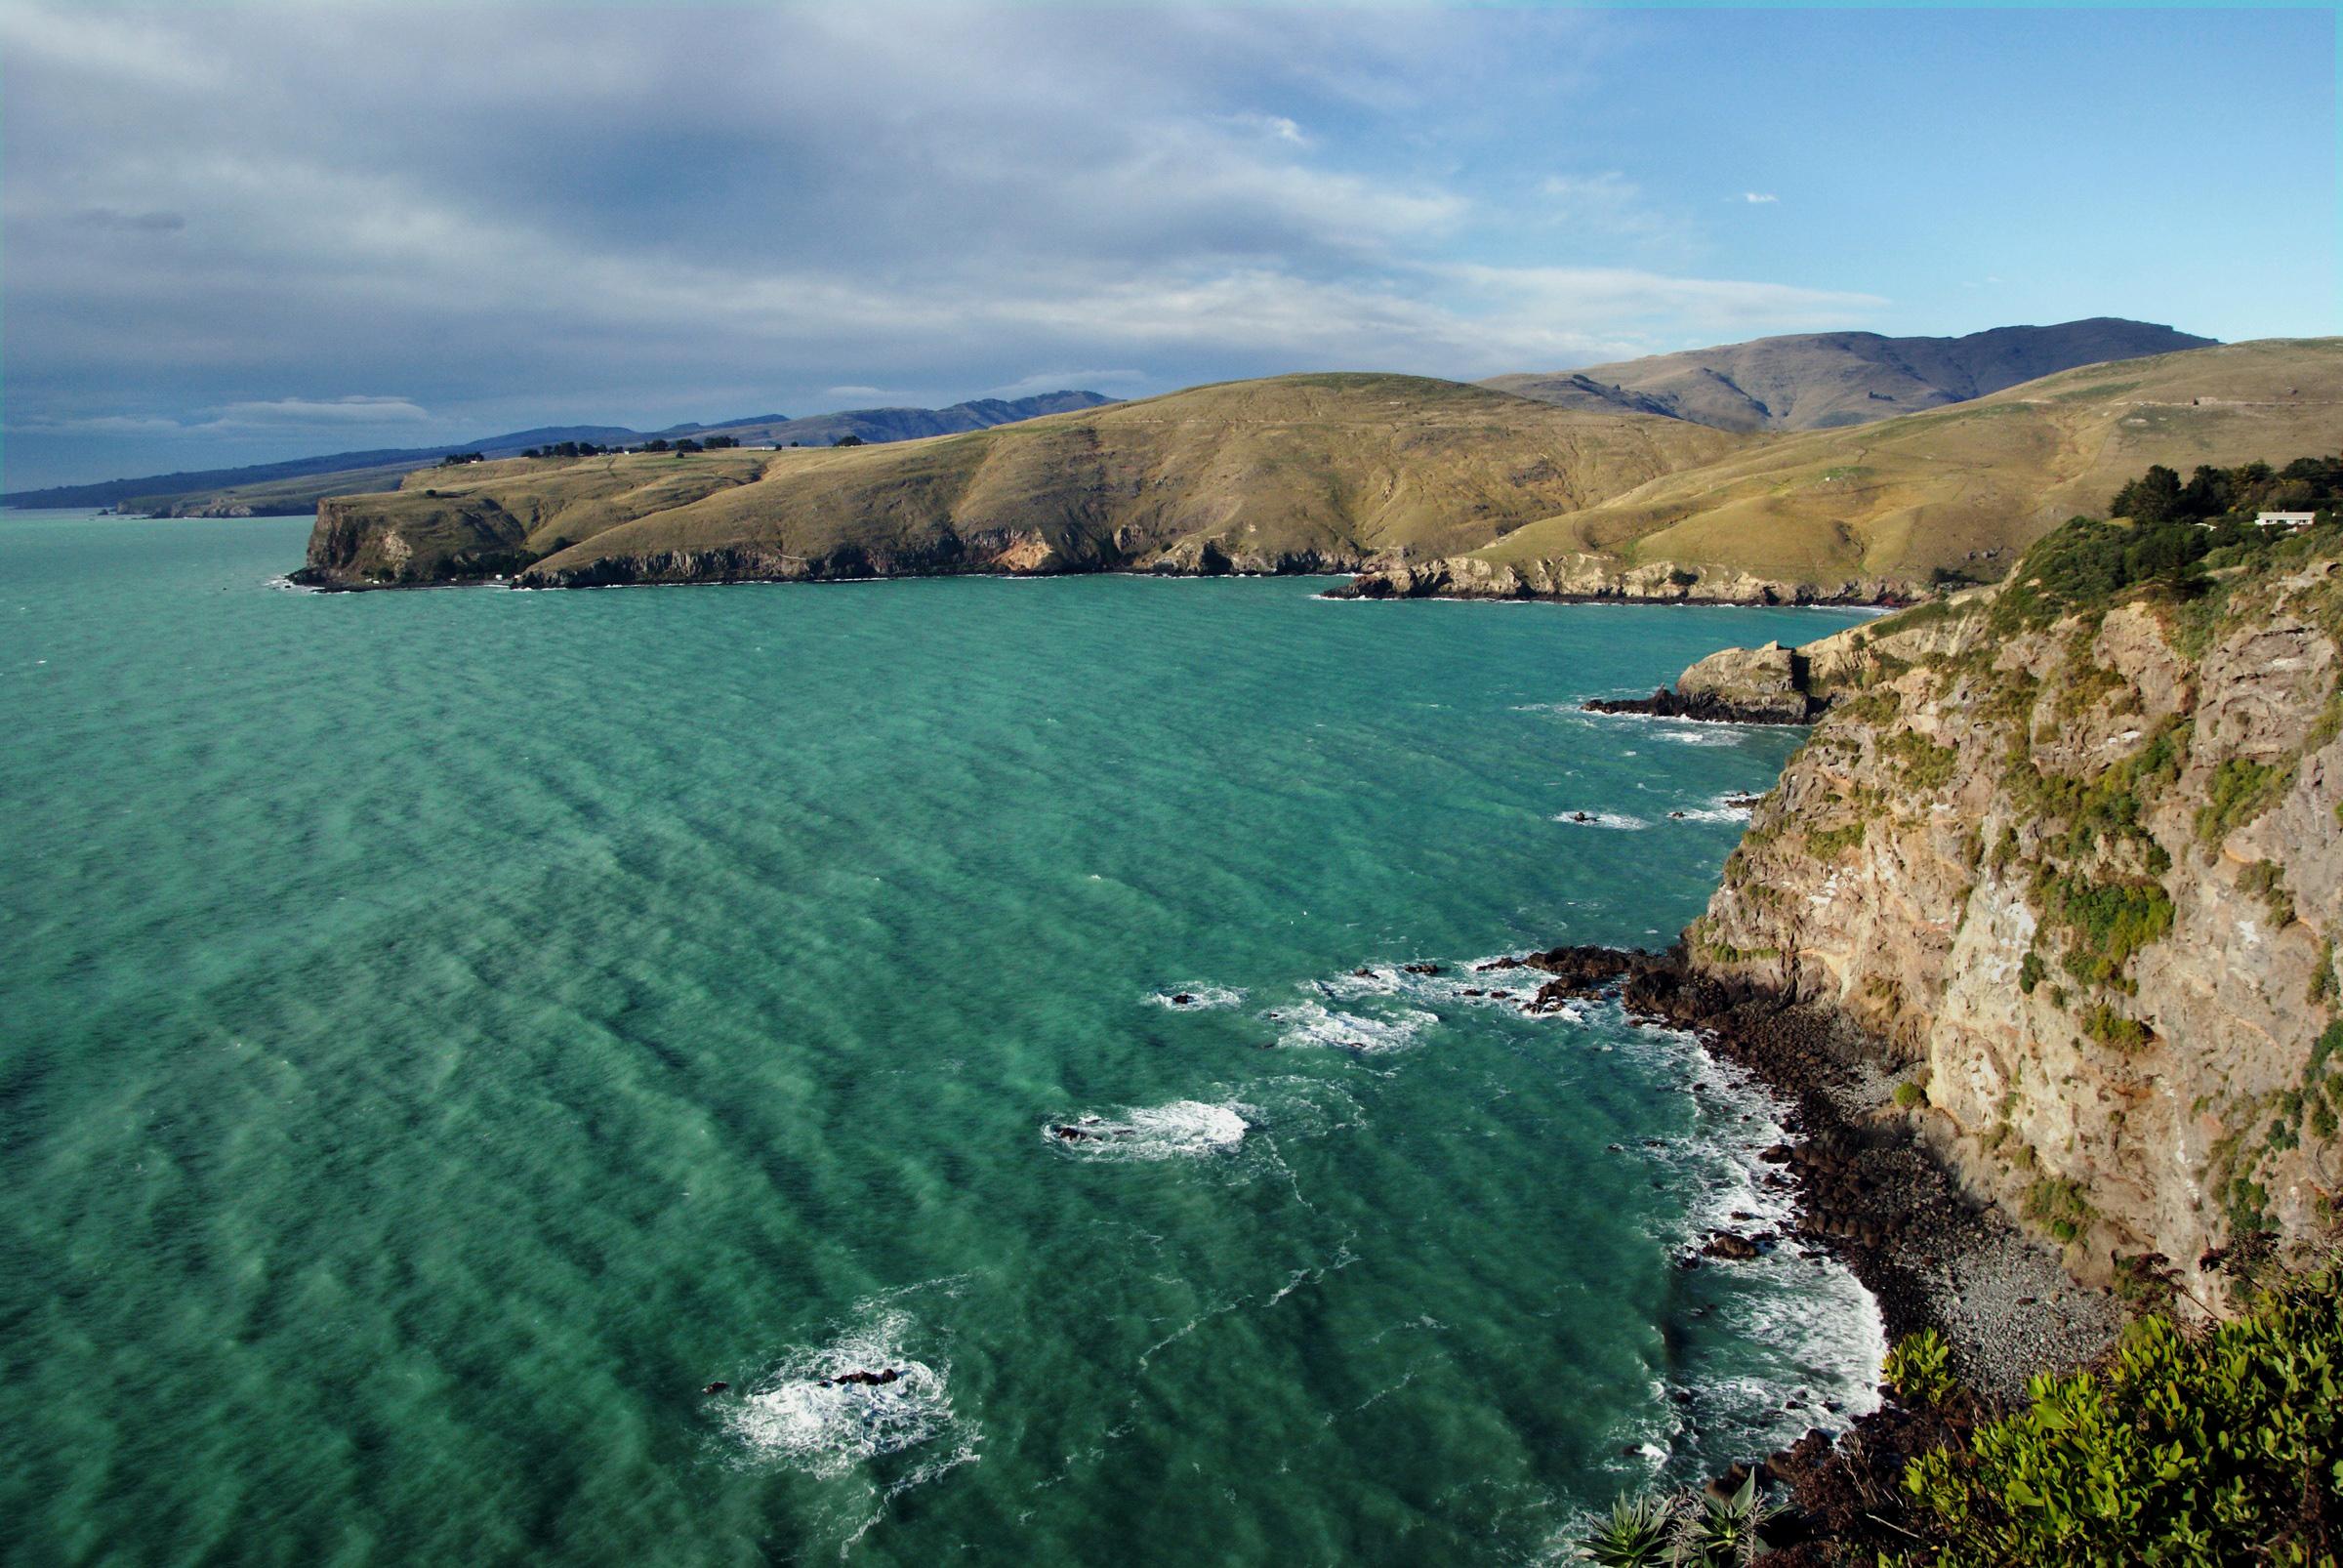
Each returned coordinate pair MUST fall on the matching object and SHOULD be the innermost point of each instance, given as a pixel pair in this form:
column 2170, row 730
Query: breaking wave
column 1602, row 819
column 1184, row 1129
column 828, row 1409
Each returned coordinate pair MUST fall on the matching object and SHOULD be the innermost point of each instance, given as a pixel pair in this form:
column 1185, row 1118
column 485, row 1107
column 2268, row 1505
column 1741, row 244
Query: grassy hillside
column 1293, row 472
column 1960, row 490
column 1825, row 380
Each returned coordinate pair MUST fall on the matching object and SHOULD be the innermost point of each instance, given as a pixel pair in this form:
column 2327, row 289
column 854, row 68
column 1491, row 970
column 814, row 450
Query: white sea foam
column 789, row 1416
column 1809, row 1334
column 1719, row 809
column 1312, row 1023
column 1709, row 734
column 1196, row 998
column 1602, row 819
column 1184, row 1129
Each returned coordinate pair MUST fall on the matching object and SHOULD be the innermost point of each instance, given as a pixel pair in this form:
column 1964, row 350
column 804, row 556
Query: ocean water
column 440, row 1032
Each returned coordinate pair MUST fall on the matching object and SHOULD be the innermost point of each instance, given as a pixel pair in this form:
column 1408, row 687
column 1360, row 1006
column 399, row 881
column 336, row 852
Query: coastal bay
column 427, row 1126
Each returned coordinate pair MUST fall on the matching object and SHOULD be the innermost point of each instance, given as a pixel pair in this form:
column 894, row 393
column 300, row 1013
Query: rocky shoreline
column 1664, row 703
column 1868, row 1189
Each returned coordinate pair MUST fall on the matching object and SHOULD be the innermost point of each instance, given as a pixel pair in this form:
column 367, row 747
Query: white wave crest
column 1312, row 1023
column 1184, row 1129
column 800, row 1414
column 1602, row 819
column 1723, row 808
column 1196, row 998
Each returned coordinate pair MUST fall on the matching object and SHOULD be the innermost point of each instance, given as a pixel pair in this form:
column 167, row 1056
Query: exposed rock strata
column 2079, row 878
column 1766, row 686
column 1595, row 579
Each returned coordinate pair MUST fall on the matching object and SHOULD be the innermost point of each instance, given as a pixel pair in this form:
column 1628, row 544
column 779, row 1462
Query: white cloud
column 122, row 47
column 1274, row 126
column 1758, row 197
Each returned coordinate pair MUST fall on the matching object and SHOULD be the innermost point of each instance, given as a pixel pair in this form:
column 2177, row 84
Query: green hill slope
column 1886, row 509
column 1292, row 474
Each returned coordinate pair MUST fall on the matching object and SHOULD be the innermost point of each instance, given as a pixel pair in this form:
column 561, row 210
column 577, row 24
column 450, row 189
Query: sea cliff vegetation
column 2200, row 1445
column 2068, row 852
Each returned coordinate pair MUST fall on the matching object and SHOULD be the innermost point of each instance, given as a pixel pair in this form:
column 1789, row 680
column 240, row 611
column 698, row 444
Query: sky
column 234, row 233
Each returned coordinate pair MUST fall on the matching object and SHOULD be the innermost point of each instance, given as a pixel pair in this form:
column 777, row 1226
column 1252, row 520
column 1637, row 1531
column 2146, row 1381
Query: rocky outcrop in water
column 1765, row 685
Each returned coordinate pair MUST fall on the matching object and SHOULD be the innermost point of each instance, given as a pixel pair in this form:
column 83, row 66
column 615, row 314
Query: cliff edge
column 2070, row 851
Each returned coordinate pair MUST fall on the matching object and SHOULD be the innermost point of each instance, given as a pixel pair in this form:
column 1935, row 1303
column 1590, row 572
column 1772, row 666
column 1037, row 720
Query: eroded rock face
column 2085, row 876
column 1597, row 578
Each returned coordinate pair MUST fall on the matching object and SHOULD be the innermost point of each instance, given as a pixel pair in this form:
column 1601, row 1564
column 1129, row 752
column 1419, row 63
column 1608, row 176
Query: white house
column 2285, row 519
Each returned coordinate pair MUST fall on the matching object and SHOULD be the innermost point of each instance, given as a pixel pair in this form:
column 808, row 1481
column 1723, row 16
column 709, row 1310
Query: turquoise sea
column 441, row 1032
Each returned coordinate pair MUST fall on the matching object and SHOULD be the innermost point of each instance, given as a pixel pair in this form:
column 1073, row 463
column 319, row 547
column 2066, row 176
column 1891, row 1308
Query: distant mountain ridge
column 1826, row 380
column 368, row 469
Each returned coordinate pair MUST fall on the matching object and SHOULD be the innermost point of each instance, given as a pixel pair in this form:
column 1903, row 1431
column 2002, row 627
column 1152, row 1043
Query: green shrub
column 2241, row 791
column 1633, row 1535
column 1681, row 1532
column 2212, row 1447
column 2030, row 972
column 2109, row 1027
column 1911, row 1096
column 1926, row 765
column 1826, row 841
column 2264, row 880
column 1919, row 1368
column 2059, row 1206
column 2105, row 921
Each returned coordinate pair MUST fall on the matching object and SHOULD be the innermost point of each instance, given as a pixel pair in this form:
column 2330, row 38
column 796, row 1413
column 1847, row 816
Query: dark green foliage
column 2144, row 1281
column 2174, row 528
column 2212, row 1447
column 2153, row 497
column 2030, row 972
column 456, row 460
column 2239, row 792
column 2211, row 494
column 2109, row 1027
column 849, row 440
column 2105, row 921
column 1926, row 765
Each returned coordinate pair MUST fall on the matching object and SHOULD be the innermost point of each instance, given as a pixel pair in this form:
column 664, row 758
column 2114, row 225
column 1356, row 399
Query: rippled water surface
column 444, row 1031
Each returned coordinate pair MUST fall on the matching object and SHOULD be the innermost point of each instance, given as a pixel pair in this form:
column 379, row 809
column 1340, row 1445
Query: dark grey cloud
column 142, row 223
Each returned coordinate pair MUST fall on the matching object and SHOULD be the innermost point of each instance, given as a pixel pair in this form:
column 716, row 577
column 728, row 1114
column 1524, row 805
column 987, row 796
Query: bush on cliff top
column 2219, row 1446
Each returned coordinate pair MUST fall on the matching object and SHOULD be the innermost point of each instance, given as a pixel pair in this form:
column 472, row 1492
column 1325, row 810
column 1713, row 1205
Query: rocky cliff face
column 2078, row 874
column 1588, row 577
